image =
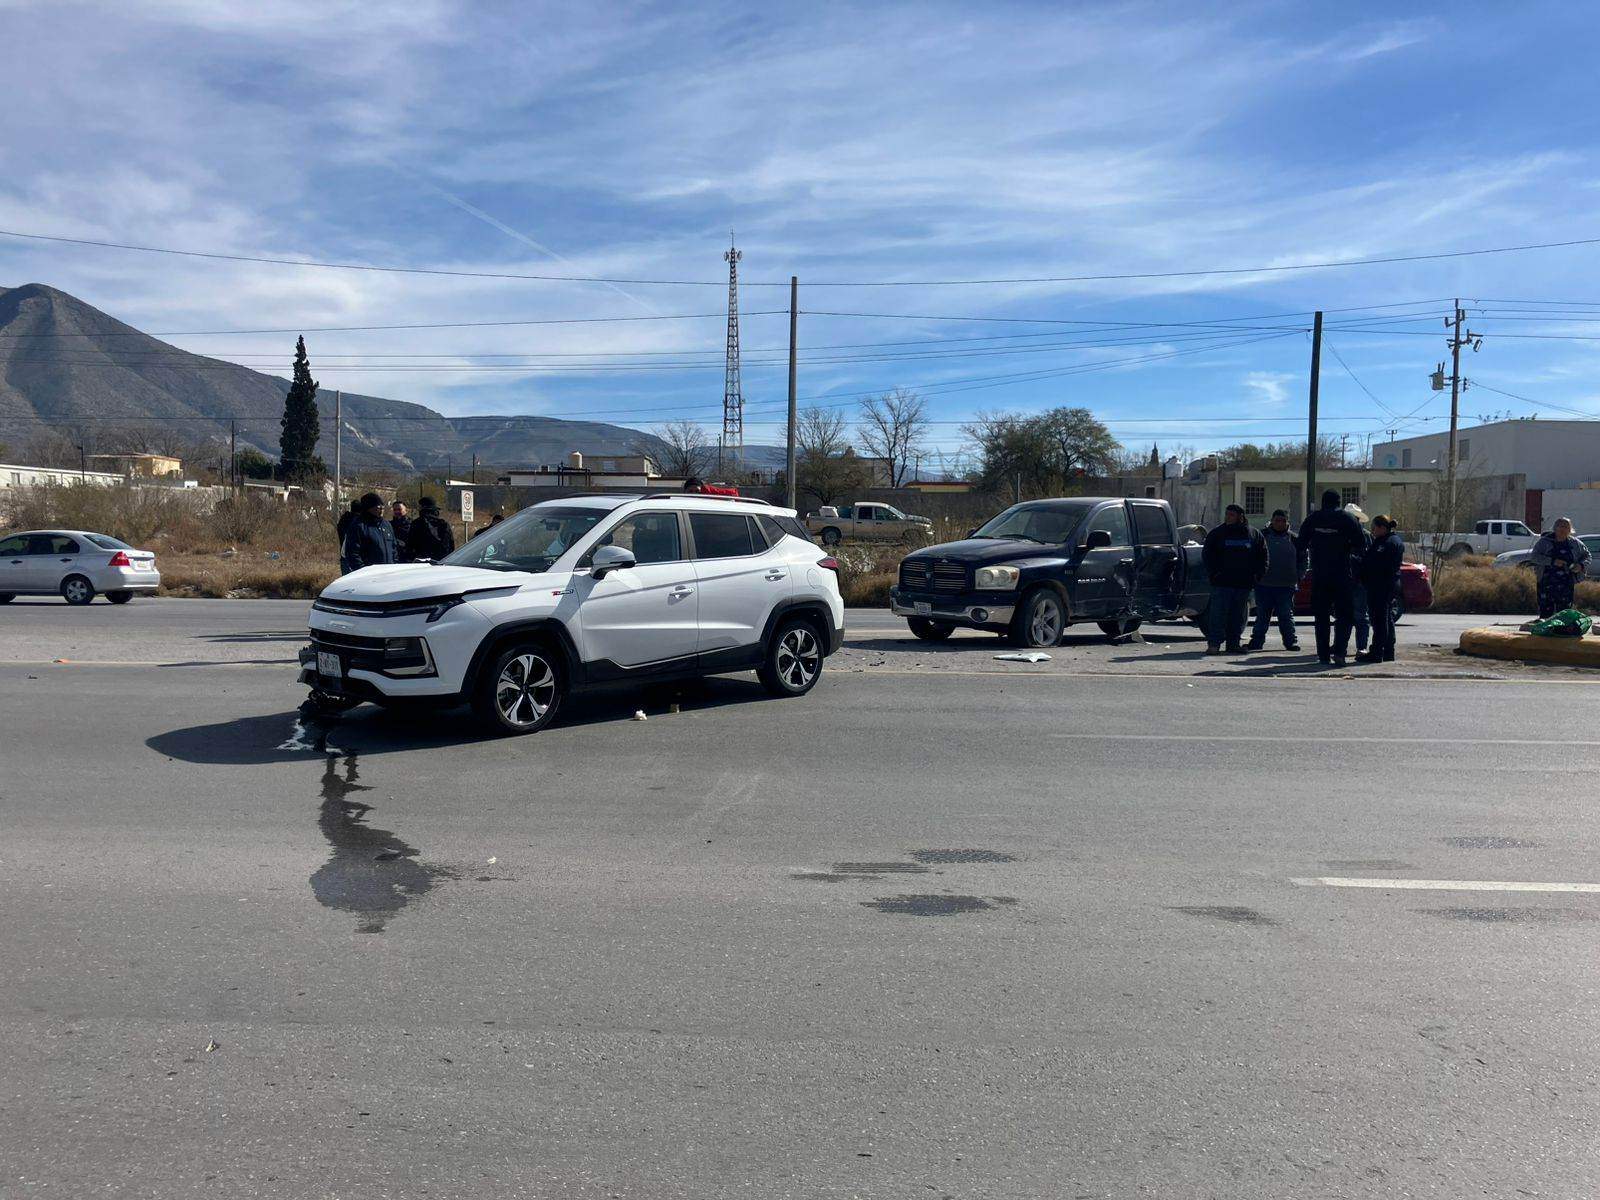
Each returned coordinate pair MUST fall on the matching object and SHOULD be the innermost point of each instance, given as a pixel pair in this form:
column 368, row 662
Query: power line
column 392, row 328
column 607, row 279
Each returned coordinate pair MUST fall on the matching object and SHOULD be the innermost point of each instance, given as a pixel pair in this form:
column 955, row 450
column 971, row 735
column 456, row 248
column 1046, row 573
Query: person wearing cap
column 1330, row 537
column 1379, row 574
column 1235, row 558
column 431, row 535
column 369, row 542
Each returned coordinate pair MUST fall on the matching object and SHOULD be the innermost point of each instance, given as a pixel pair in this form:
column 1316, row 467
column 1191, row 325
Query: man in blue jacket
column 1235, row 558
column 369, row 541
column 1330, row 537
column 1275, row 592
column 1380, row 574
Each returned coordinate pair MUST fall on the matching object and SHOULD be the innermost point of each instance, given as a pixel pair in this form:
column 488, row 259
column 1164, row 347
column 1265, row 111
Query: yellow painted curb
column 1527, row 647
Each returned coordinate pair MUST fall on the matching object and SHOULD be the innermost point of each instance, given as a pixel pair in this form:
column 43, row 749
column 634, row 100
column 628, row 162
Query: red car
column 1416, row 591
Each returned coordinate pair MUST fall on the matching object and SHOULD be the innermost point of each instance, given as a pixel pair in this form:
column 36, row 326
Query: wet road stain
column 1522, row 914
column 1233, row 914
column 1489, row 843
column 928, row 906
column 879, row 868
column 1366, row 864
column 962, row 856
column 370, row 872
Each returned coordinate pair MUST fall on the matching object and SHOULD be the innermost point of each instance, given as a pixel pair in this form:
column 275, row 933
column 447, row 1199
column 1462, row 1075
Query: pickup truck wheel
column 1459, row 550
column 1117, row 629
column 522, row 690
column 1040, row 620
column 830, row 536
column 930, row 631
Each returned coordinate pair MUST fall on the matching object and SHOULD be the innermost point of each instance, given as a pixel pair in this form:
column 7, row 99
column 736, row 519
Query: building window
column 1150, row 490
column 1463, row 449
column 1255, row 499
column 1405, row 458
column 1350, row 495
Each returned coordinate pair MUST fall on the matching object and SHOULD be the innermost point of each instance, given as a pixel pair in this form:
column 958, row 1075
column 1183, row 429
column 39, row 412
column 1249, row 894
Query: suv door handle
column 775, row 575
column 682, row 589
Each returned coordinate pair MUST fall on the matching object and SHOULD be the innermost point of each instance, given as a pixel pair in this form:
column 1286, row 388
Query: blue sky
column 879, row 142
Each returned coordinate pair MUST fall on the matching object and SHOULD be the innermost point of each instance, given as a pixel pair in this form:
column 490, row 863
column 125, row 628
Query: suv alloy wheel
column 522, row 689
column 793, row 661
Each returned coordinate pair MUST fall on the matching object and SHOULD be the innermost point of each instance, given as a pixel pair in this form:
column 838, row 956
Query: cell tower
column 730, row 450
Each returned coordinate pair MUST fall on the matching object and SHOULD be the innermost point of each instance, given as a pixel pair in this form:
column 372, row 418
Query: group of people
column 1354, row 578
column 368, row 539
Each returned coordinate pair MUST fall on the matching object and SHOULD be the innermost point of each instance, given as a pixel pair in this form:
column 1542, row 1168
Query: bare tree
column 684, row 450
column 825, row 466
column 894, row 427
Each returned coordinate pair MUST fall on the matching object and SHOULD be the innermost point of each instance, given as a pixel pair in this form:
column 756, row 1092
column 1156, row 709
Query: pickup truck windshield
column 530, row 541
column 1052, row 521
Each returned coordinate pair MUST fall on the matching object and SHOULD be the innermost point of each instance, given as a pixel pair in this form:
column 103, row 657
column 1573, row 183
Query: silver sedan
column 1519, row 558
column 75, row 565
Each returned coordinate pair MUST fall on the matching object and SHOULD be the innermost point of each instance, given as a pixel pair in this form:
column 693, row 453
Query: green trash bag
column 1569, row 622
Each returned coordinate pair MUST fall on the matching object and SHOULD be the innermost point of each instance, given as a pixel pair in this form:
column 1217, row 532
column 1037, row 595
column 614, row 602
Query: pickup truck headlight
column 996, row 579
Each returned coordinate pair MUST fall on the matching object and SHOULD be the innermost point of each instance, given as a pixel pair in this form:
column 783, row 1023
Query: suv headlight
column 996, row 579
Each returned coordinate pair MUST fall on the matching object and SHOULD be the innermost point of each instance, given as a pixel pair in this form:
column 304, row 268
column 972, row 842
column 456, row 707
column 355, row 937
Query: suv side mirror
column 1097, row 539
column 611, row 558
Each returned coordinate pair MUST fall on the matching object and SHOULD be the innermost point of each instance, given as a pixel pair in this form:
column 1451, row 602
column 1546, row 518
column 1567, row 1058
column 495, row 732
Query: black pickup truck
column 1046, row 564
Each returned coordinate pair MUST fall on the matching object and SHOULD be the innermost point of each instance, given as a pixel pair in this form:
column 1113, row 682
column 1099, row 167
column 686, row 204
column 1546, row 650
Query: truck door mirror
column 1097, row 538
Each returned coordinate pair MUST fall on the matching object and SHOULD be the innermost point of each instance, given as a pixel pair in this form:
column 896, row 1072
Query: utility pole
column 794, row 327
column 1458, row 339
column 233, row 454
column 338, row 453
column 1311, row 431
column 1344, row 442
column 474, row 470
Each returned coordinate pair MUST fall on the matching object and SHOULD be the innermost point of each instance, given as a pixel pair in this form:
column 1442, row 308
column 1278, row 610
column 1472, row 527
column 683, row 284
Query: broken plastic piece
column 1031, row 656
column 639, row 716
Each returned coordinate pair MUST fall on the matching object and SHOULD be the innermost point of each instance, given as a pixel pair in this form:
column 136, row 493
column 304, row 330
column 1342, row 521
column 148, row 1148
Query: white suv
column 582, row 591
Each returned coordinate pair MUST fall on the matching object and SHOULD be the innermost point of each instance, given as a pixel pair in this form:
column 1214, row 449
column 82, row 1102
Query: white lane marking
column 1447, row 885
column 1252, row 737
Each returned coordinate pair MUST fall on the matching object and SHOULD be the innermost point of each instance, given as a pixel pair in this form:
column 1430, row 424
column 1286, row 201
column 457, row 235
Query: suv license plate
column 923, row 607
column 328, row 665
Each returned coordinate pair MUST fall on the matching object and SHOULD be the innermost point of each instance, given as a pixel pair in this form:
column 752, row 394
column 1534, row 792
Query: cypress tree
column 301, row 425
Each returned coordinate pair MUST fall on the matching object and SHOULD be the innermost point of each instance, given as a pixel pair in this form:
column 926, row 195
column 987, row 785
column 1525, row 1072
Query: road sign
column 466, row 507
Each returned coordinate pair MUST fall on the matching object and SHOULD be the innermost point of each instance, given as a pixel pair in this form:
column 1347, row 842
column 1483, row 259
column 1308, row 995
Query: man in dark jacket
column 1329, row 537
column 1275, row 592
column 1235, row 558
column 431, row 536
column 1380, row 575
column 369, row 542
column 401, row 524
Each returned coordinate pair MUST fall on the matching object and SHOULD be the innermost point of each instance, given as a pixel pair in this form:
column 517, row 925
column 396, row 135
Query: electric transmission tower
column 730, row 450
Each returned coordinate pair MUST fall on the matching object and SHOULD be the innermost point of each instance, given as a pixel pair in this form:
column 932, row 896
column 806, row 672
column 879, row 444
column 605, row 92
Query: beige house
column 148, row 466
column 1204, row 493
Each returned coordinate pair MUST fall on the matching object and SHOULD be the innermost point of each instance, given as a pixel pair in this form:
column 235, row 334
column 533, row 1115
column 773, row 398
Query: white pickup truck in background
column 867, row 522
column 1487, row 537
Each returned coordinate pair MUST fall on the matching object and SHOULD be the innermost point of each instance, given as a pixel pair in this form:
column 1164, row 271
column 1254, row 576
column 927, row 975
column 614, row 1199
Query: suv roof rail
column 708, row 496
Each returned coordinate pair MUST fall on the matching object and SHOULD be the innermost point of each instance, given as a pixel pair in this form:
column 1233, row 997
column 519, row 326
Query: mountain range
column 67, row 366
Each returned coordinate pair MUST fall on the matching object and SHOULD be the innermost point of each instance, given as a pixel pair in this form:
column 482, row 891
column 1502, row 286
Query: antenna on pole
column 730, row 449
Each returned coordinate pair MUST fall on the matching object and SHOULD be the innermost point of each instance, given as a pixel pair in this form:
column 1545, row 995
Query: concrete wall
column 1581, row 504
column 1552, row 454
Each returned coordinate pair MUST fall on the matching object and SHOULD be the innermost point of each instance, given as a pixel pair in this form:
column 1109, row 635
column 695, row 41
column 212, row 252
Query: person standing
column 1235, row 558
column 1281, row 580
column 343, row 525
column 369, row 542
column 1330, row 536
column 1361, row 619
column 400, row 522
column 1379, row 574
column 1560, row 559
column 431, row 535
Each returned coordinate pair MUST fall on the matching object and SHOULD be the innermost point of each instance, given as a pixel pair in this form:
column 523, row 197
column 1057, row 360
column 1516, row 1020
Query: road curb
column 1527, row 647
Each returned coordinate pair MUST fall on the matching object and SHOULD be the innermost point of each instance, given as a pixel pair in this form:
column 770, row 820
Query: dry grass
column 248, row 574
column 1482, row 589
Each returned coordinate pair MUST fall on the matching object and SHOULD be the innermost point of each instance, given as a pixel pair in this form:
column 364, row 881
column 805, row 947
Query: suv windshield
column 530, row 541
column 1051, row 521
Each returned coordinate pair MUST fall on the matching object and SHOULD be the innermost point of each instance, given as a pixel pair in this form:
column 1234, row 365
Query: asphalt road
column 945, row 932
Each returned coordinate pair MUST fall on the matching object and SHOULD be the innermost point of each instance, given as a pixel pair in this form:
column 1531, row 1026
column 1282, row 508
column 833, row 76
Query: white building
column 1552, row 454
column 13, row 475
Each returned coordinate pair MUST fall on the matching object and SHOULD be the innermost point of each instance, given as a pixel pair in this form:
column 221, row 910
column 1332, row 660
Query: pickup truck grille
column 914, row 574
column 949, row 577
